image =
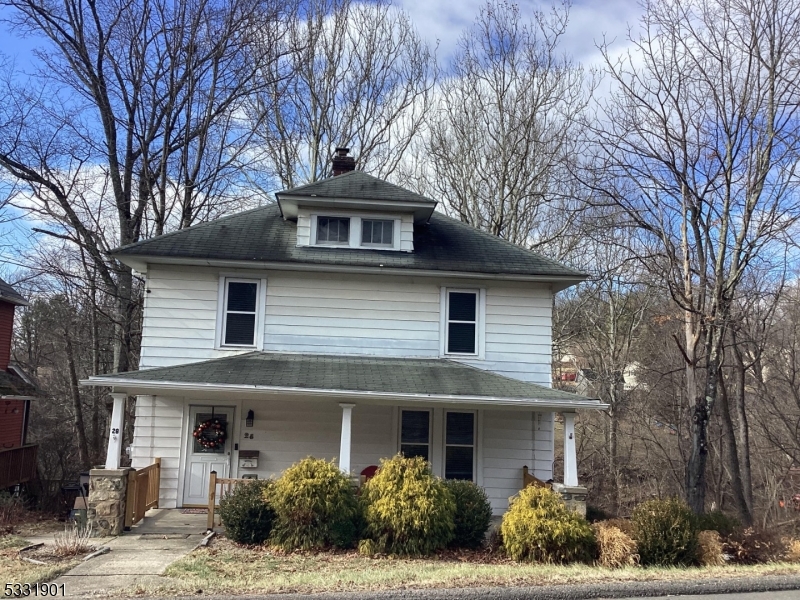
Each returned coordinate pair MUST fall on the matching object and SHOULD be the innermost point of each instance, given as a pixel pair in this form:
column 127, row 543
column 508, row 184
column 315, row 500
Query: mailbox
column 248, row 459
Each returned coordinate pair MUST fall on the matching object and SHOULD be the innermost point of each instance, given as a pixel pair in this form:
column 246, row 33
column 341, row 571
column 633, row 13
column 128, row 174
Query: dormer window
column 377, row 232
column 333, row 230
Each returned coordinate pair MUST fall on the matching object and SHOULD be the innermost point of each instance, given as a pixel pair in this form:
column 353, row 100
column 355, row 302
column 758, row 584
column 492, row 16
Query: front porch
column 469, row 423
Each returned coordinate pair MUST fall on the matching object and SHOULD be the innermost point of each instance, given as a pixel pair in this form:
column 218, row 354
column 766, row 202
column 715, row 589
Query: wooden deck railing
column 225, row 485
column 528, row 479
column 142, row 494
column 17, row 465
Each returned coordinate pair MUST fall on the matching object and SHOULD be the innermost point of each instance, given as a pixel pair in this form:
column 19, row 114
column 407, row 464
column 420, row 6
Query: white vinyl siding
column 158, row 432
column 340, row 314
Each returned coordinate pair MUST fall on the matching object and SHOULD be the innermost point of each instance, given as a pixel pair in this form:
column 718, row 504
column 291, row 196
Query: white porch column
column 347, row 428
column 570, row 453
column 115, row 433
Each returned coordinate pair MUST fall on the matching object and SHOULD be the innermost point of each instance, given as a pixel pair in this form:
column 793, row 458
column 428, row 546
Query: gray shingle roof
column 426, row 377
column 262, row 235
column 356, row 185
column 9, row 294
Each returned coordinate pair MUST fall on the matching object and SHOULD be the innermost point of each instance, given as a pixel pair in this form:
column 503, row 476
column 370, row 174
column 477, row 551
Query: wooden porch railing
column 226, row 485
column 528, row 479
column 17, row 465
column 142, row 494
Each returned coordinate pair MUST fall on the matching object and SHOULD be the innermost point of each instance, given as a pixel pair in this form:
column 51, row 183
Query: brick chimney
column 342, row 163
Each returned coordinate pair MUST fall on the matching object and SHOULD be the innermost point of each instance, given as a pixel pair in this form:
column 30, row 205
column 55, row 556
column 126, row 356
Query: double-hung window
column 415, row 433
column 461, row 327
column 377, row 232
column 333, row 230
column 459, row 446
column 240, row 311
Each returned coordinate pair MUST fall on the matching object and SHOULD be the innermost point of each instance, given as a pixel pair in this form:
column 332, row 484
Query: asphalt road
column 785, row 595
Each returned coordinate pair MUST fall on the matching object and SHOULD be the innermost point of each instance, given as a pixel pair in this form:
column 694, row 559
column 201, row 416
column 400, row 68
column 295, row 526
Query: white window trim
column 475, row 469
column 430, row 428
column 355, row 230
column 480, row 324
column 261, row 301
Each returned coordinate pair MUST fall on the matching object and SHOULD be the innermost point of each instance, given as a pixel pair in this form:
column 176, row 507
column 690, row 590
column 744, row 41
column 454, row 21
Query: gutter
column 328, row 393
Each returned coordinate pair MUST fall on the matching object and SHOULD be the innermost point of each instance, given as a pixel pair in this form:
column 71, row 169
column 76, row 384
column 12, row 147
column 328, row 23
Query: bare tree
column 360, row 76
column 506, row 127
column 699, row 146
column 132, row 125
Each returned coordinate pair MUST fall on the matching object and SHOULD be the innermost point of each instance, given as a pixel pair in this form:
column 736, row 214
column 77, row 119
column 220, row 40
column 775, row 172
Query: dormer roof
column 355, row 190
column 10, row 295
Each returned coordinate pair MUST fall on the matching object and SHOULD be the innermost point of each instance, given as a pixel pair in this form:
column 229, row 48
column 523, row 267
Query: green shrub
column 473, row 514
column 246, row 514
column 718, row 521
column 407, row 511
column 315, row 507
column 665, row 533
column 539, row 527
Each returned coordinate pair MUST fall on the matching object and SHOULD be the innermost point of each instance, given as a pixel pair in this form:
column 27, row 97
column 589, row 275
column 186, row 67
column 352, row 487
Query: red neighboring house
column 17, row 457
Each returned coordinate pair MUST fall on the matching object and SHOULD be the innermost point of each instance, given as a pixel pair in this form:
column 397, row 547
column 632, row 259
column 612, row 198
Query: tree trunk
column 743, row 437
column 731, row 459
column 80, row 430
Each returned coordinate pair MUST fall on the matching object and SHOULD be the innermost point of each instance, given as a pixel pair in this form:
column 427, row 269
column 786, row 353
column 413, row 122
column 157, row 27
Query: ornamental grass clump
column 539, row 527
column 666, row 533
column 615, row 548
column 246, row 512
column 473, row 514
column 709, row 549
column 315, row 507
column 407, row 511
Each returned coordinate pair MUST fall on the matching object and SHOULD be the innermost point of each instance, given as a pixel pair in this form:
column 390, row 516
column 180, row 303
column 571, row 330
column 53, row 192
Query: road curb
column 605, row 590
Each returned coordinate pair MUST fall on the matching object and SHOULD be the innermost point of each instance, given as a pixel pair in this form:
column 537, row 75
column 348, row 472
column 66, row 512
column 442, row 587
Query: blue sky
column 438, row 21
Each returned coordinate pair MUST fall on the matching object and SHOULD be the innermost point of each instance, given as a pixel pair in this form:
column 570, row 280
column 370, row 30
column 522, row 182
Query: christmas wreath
column 211, row 434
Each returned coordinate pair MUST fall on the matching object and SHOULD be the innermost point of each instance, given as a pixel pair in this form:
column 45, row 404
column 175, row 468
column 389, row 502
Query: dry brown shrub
column 74, row 541
column 615, row 548
column 624, row 525
column 793, row 551
column 710, row 552
column 751, row 546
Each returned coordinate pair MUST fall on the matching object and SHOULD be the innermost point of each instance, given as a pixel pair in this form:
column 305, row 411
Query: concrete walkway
column 139, row 556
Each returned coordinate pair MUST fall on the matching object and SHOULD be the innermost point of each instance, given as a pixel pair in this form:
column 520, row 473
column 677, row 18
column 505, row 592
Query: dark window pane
column 412, row 450
column 239, row 328
column 377, row 232
column 242, row 296
column 322, row 229
column 415, row 427
column 460, row 428
column 462, row 306
column 330, row 229
column 458, row 463
column 461, row 338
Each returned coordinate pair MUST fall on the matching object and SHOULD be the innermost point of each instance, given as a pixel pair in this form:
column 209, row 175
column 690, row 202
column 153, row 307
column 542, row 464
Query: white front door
column 210, row 440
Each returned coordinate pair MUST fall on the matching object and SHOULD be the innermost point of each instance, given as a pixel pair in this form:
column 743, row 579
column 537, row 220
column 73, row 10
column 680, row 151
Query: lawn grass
column 226, row 568
column 14, row 570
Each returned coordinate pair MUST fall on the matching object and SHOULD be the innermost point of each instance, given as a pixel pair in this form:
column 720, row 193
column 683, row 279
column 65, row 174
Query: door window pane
column 332, row 230
column 374, row 232
column 209, row 434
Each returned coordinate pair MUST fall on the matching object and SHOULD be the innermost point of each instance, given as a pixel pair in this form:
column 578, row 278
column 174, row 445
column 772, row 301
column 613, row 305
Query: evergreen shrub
column 315, row 507
column 407, row 511
column 246, row 514
column 718, row 521
column 538, row 527
column 666, row 533
column 473, row 514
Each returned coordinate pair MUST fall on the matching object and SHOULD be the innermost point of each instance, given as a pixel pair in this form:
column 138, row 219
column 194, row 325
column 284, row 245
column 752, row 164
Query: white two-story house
column 348, row 321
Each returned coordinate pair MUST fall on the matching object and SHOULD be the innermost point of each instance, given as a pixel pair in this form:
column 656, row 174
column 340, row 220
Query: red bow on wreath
column 211, row 434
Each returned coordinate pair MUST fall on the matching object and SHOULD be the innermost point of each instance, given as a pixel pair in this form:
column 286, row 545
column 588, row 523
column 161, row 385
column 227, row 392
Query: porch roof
column 413, row 379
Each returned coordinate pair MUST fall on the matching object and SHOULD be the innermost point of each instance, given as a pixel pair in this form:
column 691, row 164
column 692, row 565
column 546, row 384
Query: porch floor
column 169, row 521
